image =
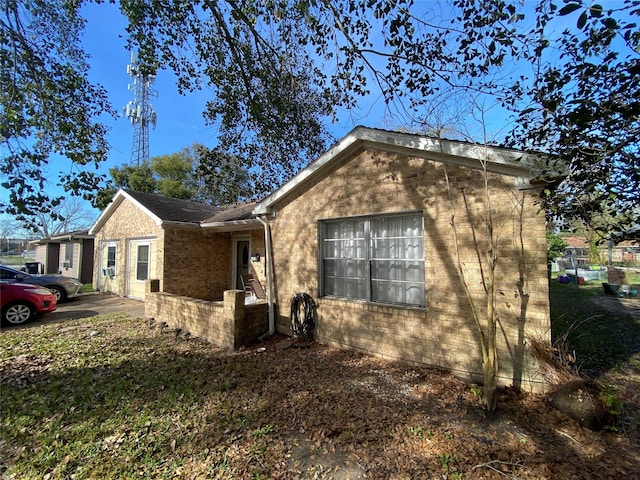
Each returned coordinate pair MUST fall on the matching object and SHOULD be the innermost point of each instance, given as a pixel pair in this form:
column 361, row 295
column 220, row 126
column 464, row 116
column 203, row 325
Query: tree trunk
column 489, row 390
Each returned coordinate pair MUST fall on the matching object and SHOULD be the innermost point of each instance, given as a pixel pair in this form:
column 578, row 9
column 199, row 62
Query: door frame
column 103, row 249
column 131, row 263
column 234, row 260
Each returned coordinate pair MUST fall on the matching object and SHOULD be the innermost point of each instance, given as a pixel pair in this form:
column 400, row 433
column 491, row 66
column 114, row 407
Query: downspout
column 269, row 265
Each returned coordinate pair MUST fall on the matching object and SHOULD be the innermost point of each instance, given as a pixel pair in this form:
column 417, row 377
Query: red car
column 21, row 302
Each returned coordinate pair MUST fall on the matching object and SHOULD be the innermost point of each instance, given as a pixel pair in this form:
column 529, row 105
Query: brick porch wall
column 228, row 323
column 198, row 263
column 443, row 334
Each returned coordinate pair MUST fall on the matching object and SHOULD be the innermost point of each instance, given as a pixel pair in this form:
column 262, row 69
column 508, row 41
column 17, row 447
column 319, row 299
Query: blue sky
column 179, row 117
column 180, row 122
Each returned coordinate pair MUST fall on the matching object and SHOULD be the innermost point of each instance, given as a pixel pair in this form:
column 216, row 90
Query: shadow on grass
column 601, row 337
column 128, row 401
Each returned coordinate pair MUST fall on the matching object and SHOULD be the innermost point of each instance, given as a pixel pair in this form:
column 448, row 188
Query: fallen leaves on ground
column 130, row 401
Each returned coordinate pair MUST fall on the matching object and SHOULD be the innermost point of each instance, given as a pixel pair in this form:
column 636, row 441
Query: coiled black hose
column 302, row 328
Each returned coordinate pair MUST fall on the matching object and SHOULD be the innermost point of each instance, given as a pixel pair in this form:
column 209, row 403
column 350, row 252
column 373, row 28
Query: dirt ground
column 421, row 423
column 626, row 306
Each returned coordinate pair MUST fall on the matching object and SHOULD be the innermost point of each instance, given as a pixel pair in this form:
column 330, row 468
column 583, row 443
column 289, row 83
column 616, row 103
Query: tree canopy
column 195, row 173
column 47, row 105
column 280, row 70
column 585, row 111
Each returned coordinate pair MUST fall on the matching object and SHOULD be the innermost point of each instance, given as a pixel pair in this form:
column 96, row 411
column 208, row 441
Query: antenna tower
column 140, row 111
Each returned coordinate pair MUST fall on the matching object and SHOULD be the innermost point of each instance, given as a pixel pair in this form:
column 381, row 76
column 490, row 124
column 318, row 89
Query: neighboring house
column 366, row 230
column 69, row 254
column 142, row 236
column 624, row 253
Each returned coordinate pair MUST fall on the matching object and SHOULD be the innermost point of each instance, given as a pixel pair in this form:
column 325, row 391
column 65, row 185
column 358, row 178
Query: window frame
column 372, row 263
column 68, row 254
column 112, row 263
column 147, row 262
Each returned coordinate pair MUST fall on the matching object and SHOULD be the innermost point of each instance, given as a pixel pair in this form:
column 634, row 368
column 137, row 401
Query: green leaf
column 611, row 23
column 569, row 8
column 582, row 20
column 596, row 11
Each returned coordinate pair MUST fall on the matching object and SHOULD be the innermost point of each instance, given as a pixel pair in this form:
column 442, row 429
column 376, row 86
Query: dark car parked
column 20, row 302
column 62, row 287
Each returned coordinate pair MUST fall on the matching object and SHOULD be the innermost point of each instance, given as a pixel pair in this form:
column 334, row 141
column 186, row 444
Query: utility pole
column 140, row 111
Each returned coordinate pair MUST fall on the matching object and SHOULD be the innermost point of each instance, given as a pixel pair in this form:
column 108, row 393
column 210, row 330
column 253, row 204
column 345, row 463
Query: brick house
column 191, row 249
column 366, row 231
column 69, row 254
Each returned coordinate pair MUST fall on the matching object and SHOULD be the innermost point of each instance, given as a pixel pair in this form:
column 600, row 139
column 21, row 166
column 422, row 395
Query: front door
column 107, row 275
column 241, row 260
column 141, row 259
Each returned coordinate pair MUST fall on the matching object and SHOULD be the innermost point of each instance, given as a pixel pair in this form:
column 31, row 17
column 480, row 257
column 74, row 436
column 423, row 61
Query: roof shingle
column 173, row 209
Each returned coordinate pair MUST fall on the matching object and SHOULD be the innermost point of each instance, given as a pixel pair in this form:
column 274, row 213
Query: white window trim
column 138, row 245
column 321, row 229
column 69, row 250
column 115, row 259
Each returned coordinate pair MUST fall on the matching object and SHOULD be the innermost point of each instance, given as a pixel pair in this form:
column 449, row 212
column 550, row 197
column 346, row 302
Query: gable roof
column 172, row 209
column 499, row 160
column 232, row 213
column 162, row 210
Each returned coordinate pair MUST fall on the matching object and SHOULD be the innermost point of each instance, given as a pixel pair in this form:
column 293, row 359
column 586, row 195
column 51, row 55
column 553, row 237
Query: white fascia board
column 157, row 220
column 232, row 226
column 498, row 160
column 420, row 146
column 336, row 151
column 173, row 223
column 71, row 237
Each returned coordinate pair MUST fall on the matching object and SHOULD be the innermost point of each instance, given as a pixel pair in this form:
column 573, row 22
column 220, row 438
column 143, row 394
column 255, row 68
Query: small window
column 142, row 265
column 111, row 257
column 378, row 259
column 68, row 255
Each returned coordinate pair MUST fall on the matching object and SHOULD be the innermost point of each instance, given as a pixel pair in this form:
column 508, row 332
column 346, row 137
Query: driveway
column 92, row 304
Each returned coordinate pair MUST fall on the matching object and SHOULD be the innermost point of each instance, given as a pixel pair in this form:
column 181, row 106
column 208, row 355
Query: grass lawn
column 601, row 337
column 108, row 397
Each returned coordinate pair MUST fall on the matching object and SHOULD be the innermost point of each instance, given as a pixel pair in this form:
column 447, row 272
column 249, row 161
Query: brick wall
column 197, row 263
column 443, row 334
column 228, row 323
column 190, row 261
column 127, row 221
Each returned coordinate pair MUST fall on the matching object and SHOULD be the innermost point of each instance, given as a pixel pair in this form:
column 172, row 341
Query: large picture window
column 378, row 259
column 142, row 265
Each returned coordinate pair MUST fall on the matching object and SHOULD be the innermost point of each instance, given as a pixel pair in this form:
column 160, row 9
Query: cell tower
column 140, row 111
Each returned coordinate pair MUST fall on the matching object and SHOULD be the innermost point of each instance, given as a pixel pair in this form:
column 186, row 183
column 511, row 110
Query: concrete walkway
column 92, row 304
